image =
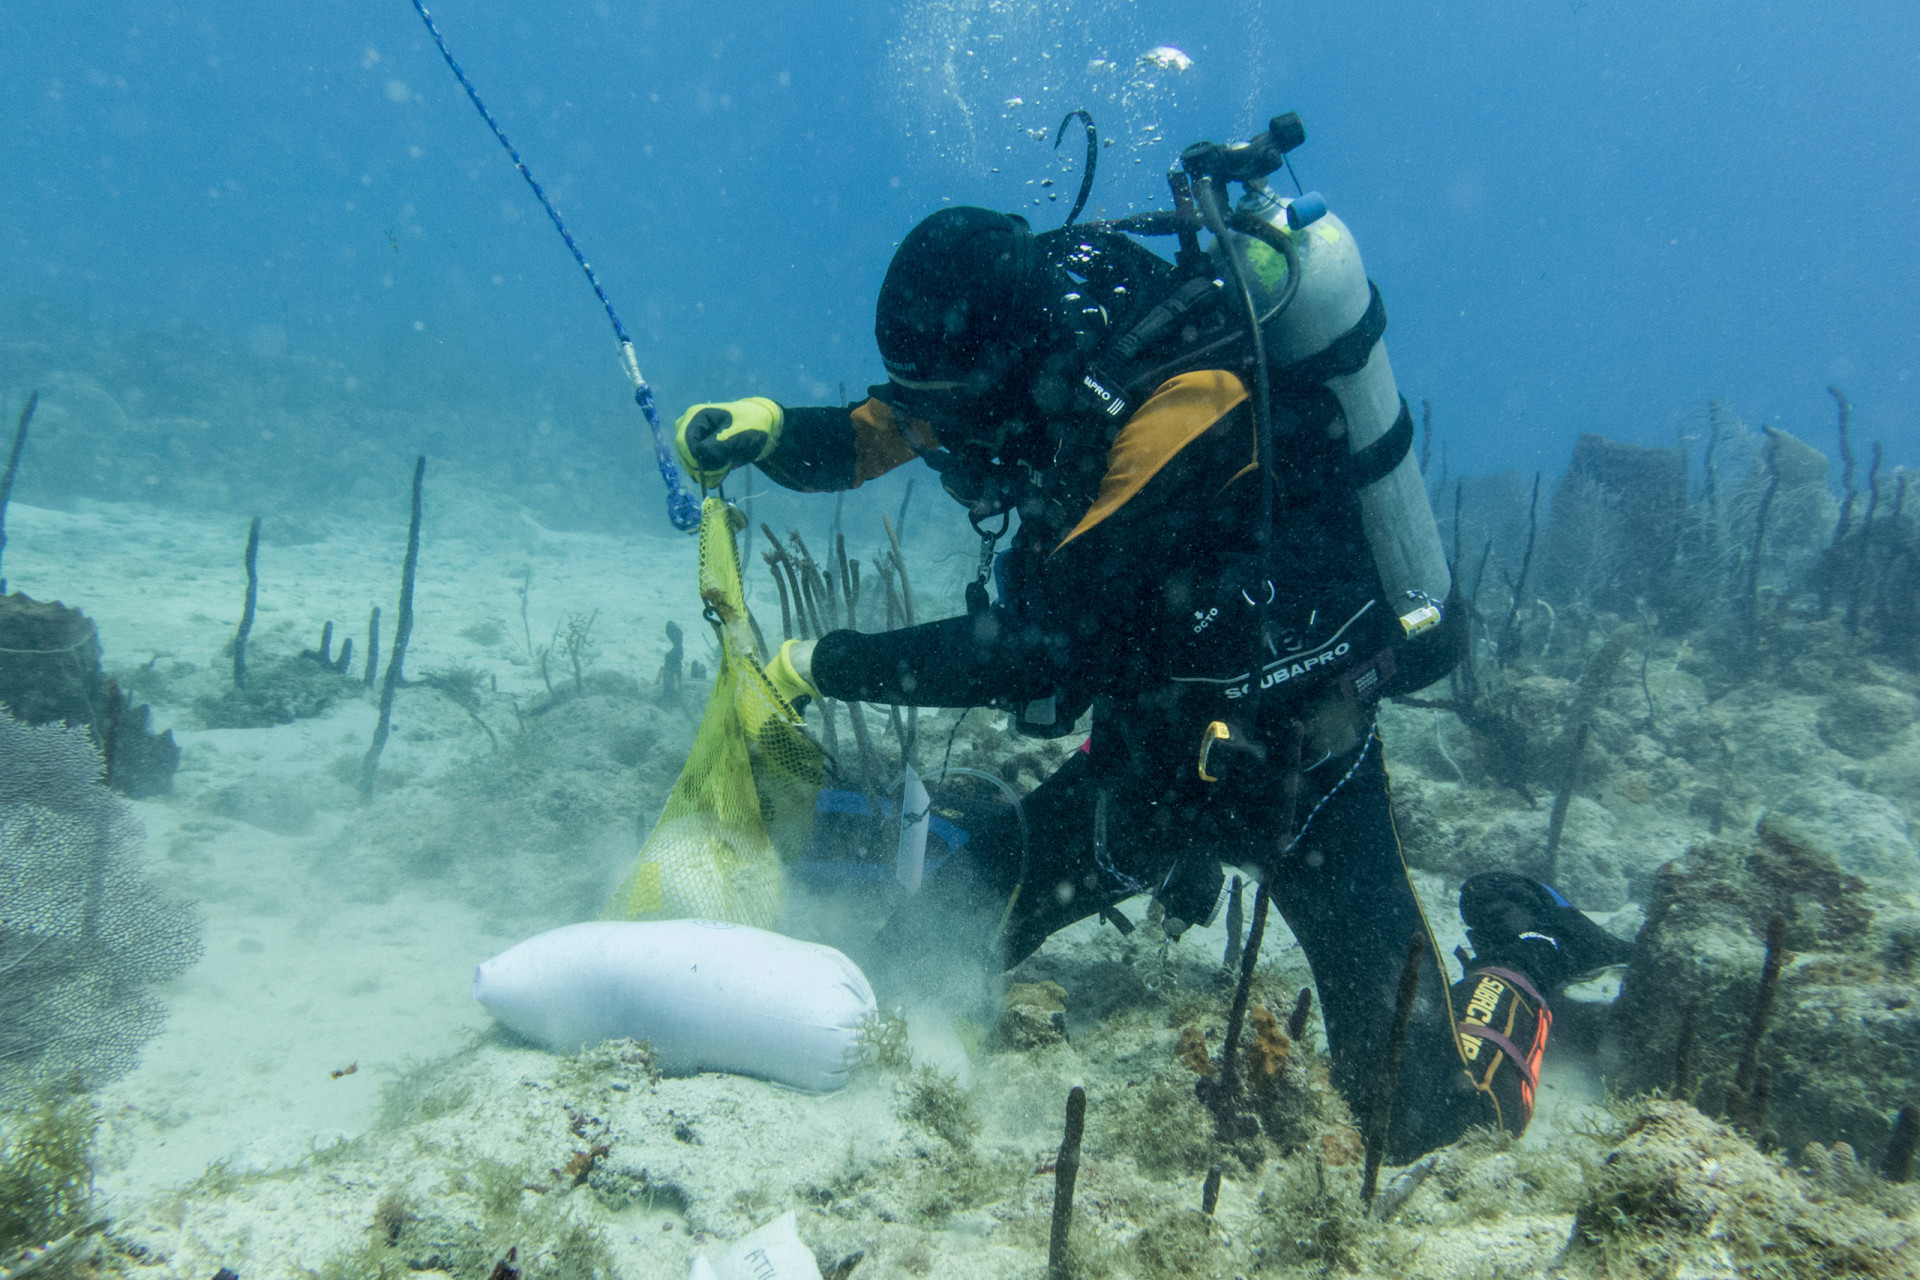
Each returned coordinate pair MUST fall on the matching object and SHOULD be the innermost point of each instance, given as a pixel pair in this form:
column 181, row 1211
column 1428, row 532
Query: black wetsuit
column 1133, row 584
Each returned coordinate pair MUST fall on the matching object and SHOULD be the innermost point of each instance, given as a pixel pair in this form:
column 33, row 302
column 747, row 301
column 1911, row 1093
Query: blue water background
column 1586, row 215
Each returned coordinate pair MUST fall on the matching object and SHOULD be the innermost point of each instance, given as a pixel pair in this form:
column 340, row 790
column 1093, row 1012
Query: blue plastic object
column 831, row 874
column 1306, row 210
column 833, row 800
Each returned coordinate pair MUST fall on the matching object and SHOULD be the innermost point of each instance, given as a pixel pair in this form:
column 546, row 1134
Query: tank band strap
column 1346, row 354
column 1517, row 979
column 1504, row 1045
column 1383, row 455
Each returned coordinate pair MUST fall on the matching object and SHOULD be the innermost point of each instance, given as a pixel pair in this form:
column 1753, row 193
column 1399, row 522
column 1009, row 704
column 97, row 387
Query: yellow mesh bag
column 745, row 797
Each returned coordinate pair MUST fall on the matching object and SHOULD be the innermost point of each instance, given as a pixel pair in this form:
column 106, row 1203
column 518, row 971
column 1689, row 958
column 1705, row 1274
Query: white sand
column 304, row 975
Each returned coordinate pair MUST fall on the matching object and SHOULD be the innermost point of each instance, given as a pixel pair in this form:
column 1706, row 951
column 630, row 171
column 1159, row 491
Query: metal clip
column 1216, row 731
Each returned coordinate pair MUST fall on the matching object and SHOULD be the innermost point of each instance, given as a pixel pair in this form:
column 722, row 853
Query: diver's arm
column 968, row 661
column 1104, row 586
column 825, row 449
column 815, row 451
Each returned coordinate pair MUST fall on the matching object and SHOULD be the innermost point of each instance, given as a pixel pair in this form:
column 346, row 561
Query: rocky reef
column 1842, row 1042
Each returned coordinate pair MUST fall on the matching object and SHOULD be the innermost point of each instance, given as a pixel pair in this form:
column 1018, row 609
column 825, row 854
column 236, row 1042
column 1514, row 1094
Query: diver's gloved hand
column 713, row 439
column 791, row 673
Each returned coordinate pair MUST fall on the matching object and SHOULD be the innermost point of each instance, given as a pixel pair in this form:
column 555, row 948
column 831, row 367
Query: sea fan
column 84, row 935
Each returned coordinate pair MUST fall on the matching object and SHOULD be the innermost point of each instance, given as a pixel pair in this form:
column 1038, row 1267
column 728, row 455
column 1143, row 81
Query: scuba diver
column 1225, row 551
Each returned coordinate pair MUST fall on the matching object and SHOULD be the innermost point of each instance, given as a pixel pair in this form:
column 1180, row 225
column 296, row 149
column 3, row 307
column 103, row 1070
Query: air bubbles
column 952, row 59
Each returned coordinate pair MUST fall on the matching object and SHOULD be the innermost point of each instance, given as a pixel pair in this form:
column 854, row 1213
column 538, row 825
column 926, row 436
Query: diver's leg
column 1528, row 942
column 1098, row 839
column 1344, row 892
column 1032, row 870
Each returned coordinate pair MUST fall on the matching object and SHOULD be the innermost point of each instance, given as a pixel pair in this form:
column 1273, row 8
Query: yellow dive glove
column 791, row 671
column 713, row 439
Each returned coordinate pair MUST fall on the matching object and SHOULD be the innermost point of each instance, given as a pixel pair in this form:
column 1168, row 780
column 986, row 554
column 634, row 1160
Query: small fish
column 1011, row 103
column 910, row 855
column 1166, row 57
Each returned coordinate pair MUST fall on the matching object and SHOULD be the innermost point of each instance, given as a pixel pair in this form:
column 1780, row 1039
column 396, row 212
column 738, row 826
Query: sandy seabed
column 326, row 1099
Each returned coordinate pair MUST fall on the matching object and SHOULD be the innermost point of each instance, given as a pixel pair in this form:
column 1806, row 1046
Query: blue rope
column 682, row 508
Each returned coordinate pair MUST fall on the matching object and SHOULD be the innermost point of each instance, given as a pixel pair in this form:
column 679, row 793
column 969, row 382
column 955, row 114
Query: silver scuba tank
column 1332, row 297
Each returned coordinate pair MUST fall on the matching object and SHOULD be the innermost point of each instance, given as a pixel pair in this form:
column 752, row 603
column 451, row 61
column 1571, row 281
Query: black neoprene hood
column 961, row 286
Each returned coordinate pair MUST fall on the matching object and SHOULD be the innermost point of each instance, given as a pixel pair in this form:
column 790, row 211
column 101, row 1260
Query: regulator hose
column 1206, row 198
column 1260, row 229
column 1093, row 160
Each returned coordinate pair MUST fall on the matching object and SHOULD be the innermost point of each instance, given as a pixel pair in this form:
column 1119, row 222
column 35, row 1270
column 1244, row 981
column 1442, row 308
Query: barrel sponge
column 85, row 936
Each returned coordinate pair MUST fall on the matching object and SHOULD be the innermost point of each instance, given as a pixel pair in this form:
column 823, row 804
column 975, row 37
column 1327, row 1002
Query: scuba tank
column 1329, row 334
column 1298, row 272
